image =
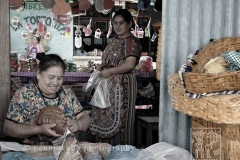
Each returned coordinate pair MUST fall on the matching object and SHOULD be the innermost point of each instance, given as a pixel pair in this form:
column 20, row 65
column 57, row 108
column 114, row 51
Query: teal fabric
column 143, row 4
column 121, row 152
column 22, row 156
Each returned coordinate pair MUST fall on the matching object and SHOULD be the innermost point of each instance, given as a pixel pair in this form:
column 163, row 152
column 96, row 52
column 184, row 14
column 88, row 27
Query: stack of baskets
column 218, row 110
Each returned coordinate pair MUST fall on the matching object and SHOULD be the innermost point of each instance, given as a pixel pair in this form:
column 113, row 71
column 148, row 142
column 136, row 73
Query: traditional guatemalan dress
column 27, row 102
column 115, row 124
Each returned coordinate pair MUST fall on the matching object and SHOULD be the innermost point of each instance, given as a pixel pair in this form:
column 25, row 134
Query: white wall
column 33, row 10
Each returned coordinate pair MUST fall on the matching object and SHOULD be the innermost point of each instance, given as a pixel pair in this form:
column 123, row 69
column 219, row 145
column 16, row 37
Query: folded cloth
column 232, row 57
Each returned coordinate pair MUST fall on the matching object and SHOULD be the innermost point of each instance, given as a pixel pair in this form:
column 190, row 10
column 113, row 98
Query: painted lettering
column 48, row 21
column 62, row 28
column 26, row 18
column 34, row 6
column 33, row 20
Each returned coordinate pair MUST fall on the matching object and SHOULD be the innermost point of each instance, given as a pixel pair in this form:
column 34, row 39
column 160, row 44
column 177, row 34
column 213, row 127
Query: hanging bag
column 98, row 33
column 140, row 33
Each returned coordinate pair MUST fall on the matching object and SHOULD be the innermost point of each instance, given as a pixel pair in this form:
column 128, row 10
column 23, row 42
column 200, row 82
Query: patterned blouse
column 27, row 102
column 119, row 49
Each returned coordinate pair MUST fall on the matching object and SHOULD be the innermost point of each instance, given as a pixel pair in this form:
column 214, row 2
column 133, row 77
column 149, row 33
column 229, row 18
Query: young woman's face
column 121, row 27
column 50, row 81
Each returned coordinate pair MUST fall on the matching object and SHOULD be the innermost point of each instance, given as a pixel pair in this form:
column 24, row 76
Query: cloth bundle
column 216, row 65
column 233, row 58
column 101, row 95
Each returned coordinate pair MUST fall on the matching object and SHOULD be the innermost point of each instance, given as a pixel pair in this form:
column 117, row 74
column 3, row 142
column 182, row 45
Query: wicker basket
column 218, row 108
column 197, row 82
column 227, row 146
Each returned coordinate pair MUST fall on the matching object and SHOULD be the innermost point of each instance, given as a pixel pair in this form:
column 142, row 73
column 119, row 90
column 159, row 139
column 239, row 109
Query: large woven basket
column 197, row 82
column 218, row 108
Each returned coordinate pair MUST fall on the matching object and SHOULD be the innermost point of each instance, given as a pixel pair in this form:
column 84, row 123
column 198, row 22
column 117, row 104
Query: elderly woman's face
column 50, row 81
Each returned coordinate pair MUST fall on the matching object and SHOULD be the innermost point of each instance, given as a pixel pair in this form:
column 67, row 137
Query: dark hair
column 49, row 60
column 125, row 14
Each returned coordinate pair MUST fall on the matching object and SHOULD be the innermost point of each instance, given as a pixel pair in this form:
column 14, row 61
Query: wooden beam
column 5, row 78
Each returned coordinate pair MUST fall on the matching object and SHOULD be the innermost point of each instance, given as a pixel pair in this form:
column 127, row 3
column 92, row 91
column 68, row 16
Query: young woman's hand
column 105, row 73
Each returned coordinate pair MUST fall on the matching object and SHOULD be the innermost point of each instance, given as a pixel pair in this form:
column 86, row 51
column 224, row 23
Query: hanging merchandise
column 48, row 4
column 106, row 12
column 84, row 5
column 108, row 4
column 99, row 5
column 140, row 33
column 143, row 4
column 87, row 30
column 61, row 7
column 135, row 31
column 134, row 12
column 21, row 8
column 98, row 33
column 15, row 21
column 154, row 36
column 109, row 29
column 15, row 3
column 147, row 29
column 78, row 37
column 64, row 19
column 70, row 1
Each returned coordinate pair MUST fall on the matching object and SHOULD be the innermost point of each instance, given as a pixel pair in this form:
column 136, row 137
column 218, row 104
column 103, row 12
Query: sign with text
column 29, row 18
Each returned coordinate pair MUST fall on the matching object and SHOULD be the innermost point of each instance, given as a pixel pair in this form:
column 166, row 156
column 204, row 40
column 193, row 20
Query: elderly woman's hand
column 47, row 130
column 73, row 125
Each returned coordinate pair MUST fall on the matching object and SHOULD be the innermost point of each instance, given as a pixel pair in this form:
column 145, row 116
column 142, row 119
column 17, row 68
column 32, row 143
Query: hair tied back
column 39, row 56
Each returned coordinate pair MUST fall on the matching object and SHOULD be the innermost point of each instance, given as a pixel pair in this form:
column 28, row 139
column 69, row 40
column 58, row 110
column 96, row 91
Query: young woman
column 115, row 124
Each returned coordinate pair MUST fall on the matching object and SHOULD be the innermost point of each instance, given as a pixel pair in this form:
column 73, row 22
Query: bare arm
column 16, row 130
column 126, row 66
column 81, row 122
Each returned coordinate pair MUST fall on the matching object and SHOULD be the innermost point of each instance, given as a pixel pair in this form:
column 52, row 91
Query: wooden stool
column 146, row 127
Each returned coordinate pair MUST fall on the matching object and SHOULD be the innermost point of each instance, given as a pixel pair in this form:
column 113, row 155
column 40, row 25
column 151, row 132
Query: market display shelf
column 81, row 74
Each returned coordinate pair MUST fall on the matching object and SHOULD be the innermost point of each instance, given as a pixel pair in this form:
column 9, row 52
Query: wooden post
column 5, row 78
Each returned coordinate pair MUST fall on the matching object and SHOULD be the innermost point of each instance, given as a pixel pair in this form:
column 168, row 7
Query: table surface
column 149, row 119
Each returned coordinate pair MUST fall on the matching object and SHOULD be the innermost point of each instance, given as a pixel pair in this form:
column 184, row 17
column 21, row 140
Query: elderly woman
column 28, row 101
